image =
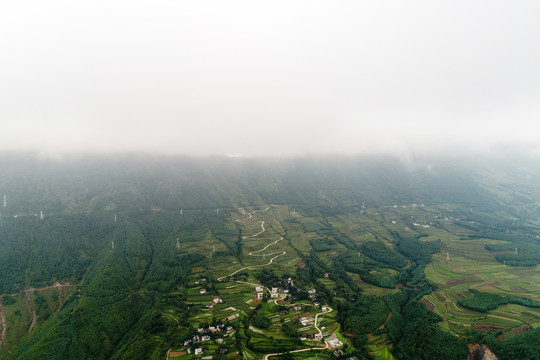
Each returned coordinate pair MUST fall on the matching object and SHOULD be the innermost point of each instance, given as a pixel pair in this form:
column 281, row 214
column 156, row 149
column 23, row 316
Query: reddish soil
column 385, row 321
column 463, row 280
column 426, row 303
column 488, row 327
column 360, row 282
column 174, row 354
column 400, row 286
column 439, row 296
column 522, row 329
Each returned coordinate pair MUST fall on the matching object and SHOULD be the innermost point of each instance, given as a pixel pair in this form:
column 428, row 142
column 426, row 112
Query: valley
column 355, row 272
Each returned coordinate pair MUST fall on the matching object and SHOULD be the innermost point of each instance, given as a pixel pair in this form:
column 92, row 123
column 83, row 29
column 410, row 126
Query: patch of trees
column 370, row 270
column 382, row 253
column 525, row 346
column 528, row 253
column 520, row 259
column 343, row 239
column 364, row 315
column 484, row 302
column 423, row 339
column 261, row 322
column 416, row 250
column 322, row 245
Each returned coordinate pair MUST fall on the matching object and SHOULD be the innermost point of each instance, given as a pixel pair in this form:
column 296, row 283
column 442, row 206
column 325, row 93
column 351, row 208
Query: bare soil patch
column 429, row 305
column 488, row 327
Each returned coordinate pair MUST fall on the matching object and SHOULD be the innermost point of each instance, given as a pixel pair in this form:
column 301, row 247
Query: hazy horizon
column 270, row 78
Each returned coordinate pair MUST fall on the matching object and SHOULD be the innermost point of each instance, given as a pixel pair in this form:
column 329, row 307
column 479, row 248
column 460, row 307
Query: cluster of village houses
column 332, row 340
column 203, row 336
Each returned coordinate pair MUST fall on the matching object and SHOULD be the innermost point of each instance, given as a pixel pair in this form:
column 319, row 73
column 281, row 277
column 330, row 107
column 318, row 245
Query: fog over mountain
column 269, row 77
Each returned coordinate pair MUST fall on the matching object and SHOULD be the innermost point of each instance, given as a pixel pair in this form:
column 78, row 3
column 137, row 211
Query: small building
column 306, row 321
column 260, row 295
column 318, row 337
column 259, row 288
column 205, row 338
column 312, row 291
column 274, row 290
column 333, row 341
column 274, row 295
column 198, row 351
column 202, row 291
column 219, row 340
column 218, row 300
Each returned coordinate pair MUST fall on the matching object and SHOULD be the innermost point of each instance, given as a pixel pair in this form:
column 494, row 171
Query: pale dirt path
column 317, row 317
column 306, row 349
column 31, row 304
column 172, row 317
column 28, row 292
column 3, row 342
column 56, row 285
column 278, row 254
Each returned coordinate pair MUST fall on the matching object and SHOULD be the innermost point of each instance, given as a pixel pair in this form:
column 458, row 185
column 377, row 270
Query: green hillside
column 147, row 257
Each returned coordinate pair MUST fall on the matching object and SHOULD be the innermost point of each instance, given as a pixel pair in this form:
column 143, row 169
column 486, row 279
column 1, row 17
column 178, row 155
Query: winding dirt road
column 255, row 253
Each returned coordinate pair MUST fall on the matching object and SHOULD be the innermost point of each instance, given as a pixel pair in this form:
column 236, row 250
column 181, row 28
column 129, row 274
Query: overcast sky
column 269, row 77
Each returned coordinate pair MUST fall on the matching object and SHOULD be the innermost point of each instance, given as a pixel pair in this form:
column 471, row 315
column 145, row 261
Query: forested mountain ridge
column 126, row 234
column 132, row 182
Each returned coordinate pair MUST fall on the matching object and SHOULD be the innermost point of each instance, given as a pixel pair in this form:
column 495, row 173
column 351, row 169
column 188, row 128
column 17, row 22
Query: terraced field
column 471, row 266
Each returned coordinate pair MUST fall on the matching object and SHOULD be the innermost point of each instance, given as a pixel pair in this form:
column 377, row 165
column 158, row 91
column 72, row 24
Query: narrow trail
column 56, row 285
column 28, row 292
column 385, row 321
column 172, row 317
column 32, row 307
column 255, row 253
column 3, row 342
